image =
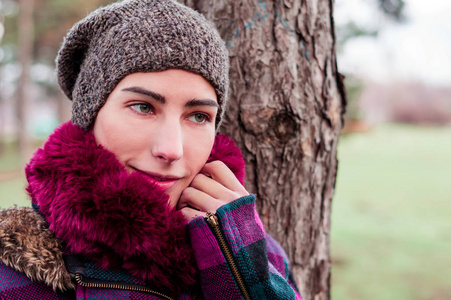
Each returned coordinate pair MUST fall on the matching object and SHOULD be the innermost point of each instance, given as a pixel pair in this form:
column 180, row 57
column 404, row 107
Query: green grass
column 12, row 179
column 9, row 158
column 391, row 228
column 12, row 175
column 391, row 225
column 12, row 191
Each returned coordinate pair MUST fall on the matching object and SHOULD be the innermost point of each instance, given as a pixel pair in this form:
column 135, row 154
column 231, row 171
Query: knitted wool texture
column 137, row 36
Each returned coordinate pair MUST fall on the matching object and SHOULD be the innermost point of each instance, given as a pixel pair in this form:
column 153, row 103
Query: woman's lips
column 163, row 181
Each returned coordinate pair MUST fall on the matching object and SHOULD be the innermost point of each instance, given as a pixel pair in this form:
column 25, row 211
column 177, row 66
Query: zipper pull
column 78, row 278
column 212, row 218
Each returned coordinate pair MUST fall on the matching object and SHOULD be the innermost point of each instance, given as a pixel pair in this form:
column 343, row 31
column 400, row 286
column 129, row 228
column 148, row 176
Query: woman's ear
column 225, row 150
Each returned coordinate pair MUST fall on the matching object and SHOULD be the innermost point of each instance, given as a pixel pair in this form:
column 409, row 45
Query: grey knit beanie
column 137, row 36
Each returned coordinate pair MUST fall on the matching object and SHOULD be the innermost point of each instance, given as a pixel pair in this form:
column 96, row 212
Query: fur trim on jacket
column 28, row 246
column 112, row 217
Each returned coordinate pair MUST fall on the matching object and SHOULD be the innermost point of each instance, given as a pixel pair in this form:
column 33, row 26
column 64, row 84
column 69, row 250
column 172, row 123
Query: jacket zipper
column 213, row 220
column 118, row 286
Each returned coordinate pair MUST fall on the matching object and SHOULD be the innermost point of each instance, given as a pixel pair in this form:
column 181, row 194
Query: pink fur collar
column 112, row 217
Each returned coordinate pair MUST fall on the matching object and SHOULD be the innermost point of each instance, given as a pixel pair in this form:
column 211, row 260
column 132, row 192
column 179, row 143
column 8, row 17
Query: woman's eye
column 199, row 118
column 142, row 108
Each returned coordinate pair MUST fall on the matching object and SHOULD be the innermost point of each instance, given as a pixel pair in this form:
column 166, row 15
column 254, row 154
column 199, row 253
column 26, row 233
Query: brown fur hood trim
column 27, row 245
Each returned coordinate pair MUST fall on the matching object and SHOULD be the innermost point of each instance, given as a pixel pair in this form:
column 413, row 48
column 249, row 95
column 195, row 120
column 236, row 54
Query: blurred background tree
column 33, row 31
column 392, row 9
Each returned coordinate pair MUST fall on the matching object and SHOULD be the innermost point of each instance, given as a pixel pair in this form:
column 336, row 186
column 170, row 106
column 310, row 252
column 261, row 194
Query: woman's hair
column 137, row 36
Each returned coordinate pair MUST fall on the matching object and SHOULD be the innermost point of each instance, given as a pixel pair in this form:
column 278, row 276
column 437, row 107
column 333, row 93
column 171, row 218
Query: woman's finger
column 218, row 171
column 196, row 199
column 210, row 186
column 189, row 213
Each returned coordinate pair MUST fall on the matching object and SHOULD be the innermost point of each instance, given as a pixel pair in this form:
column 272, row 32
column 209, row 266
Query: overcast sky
column 417, row 49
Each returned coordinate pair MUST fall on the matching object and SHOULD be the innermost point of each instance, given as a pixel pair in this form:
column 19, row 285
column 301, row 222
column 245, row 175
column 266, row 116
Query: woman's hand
column 213, row 187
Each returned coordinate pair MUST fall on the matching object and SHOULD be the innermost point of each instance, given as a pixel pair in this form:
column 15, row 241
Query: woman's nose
column 168, row 143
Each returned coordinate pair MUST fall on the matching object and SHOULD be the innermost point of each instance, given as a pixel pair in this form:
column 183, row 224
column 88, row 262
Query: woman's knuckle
column 217, row 164
column 187, row 192
column 196, row 180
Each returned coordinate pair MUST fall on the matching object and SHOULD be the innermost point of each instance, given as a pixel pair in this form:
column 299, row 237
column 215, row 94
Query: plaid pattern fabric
column 94, row 272
column 15, row 285
column 261, row 260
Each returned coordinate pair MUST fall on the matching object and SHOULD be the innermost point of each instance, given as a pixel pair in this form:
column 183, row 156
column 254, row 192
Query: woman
column 136, row 197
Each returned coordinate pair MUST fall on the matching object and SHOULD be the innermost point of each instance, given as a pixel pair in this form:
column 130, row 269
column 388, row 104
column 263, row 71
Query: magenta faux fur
column 110, row 216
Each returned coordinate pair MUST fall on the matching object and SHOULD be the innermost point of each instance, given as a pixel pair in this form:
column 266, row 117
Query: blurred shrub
column 412, row 102
column 353, row 86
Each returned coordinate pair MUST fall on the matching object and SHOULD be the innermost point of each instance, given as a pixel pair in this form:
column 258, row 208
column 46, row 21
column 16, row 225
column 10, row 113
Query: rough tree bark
column 285, row 112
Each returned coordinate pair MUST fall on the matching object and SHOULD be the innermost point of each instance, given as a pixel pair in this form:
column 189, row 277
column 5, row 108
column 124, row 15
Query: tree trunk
column 285, row 112
column 26, row 29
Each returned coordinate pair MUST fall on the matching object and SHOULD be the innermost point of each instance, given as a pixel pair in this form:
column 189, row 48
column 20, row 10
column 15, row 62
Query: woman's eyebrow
column 139, row 90
column 198, row 102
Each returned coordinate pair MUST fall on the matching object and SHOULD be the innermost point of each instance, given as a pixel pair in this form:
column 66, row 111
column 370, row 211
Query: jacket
column 97, row 232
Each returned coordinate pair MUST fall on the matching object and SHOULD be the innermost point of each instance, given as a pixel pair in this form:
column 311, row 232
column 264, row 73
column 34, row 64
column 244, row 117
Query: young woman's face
column 161, row 124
